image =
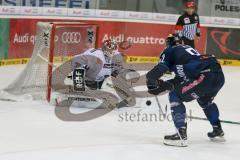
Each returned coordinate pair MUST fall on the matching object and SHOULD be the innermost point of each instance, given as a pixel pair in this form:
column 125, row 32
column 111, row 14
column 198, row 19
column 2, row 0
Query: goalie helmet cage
column 55, row 42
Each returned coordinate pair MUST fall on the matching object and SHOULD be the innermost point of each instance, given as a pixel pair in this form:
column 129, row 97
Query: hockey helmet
column 109, row 47
column 172, row 40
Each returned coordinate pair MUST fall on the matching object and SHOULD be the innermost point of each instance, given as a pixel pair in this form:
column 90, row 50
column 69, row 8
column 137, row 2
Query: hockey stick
column 183, row 144
column 160, row 107
column 8, row 100
column 223, row 121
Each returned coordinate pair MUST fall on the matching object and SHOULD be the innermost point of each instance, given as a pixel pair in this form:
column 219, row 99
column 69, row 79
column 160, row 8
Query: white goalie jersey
column 97, row 65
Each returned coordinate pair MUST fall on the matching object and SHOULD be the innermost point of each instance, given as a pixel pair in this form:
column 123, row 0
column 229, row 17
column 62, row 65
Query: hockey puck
column 148, row 103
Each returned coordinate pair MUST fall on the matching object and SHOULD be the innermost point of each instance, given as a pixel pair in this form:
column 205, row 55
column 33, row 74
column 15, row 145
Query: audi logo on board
column 71, row 37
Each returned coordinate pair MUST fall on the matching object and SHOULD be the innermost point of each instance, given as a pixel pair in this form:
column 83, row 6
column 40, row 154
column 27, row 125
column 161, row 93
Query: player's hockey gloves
column 156, row 86
column 160, row 87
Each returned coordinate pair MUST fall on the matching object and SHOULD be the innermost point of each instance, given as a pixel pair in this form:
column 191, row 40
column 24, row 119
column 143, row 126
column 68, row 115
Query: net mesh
column 69, row 39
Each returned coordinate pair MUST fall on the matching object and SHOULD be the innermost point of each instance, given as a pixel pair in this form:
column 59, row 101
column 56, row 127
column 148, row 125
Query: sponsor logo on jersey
column 193, row 84
column 181, row 73
column 186, row 20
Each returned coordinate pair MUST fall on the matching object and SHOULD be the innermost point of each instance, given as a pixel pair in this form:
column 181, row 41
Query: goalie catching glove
column 159, row 87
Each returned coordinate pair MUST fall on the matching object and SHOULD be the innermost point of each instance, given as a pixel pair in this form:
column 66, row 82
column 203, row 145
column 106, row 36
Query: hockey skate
column 178, row 139
column 217, row 134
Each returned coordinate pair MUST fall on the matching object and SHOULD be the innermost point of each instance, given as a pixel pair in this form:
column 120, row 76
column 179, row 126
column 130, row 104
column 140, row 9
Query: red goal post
column 55, row 42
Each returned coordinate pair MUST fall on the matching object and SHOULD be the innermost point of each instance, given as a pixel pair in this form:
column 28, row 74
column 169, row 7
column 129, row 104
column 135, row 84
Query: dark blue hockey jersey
column 184, row 61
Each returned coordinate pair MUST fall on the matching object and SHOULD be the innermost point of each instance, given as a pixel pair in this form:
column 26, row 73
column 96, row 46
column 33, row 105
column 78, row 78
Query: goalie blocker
column 79, row 79
column 80, row 83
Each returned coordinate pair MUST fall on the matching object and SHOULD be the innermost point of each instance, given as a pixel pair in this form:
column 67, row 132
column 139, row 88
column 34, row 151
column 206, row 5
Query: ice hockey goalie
column 91, row 69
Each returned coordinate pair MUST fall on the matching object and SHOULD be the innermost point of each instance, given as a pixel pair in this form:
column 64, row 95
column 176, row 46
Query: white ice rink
column 31, row 131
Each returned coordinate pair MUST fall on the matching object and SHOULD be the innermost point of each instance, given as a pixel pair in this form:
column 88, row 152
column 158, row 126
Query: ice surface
column 31, row 131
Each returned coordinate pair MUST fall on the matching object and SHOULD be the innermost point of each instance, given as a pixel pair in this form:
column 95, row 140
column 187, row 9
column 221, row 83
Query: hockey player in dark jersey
column 188, row 25
column 197, row 77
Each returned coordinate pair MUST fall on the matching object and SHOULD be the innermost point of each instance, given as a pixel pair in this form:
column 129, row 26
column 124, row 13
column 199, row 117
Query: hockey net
column 55, row 43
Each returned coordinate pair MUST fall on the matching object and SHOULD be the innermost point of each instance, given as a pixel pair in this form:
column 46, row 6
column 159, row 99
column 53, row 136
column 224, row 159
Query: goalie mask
column 109, row 47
